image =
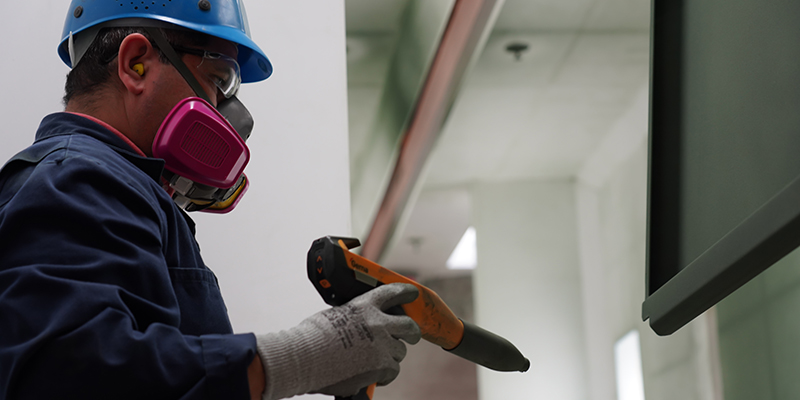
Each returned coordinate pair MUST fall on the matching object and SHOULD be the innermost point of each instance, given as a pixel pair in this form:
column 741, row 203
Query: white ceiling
column 574, row 15
column 370, row 16
column 539, row 117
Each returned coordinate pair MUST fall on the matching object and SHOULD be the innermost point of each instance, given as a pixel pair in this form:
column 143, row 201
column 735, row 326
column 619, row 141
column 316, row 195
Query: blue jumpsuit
column 103, row 293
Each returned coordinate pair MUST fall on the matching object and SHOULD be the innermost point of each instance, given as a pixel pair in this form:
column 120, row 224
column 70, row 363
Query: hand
column 340, row 350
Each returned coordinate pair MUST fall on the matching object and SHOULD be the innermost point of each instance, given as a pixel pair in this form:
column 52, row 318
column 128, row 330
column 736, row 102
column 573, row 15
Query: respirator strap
column 185, row 202
column 177, row 62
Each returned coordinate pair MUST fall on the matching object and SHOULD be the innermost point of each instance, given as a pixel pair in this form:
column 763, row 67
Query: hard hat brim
column 254, row 64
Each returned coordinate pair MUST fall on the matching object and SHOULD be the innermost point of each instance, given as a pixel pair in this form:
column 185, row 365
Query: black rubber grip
column 492, row 351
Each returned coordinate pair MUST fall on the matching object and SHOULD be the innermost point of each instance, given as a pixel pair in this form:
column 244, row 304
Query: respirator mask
column 204, row 147
column 205, row 154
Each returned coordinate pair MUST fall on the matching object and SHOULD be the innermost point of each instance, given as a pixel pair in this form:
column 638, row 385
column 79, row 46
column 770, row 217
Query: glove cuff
column 289, row 362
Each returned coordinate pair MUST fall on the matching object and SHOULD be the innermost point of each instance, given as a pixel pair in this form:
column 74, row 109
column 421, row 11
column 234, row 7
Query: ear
column 135, row 49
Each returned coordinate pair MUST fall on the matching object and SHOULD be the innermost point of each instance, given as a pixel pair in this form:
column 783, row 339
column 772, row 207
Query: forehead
column 222, row 46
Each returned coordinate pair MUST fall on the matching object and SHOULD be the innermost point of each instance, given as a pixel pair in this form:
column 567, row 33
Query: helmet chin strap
column 177, row 62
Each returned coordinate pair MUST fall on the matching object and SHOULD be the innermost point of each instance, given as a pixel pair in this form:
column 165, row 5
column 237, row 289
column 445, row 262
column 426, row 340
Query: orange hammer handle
column 439, row 325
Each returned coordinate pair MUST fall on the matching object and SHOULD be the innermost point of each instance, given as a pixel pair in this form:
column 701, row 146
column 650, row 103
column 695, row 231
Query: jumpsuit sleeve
column 86, row 305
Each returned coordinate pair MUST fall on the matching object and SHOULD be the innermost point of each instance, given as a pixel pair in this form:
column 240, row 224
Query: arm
column 255, row 376
column 87, row 285
column 86, row 302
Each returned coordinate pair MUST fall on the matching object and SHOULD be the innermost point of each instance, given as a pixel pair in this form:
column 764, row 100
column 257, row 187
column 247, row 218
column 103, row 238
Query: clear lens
column 223, row 71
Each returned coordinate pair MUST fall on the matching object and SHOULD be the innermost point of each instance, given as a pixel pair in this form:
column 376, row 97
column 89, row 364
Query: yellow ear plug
column 139, row 68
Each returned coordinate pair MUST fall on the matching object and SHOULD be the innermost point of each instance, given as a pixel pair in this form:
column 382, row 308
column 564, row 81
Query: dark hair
column 99, row 64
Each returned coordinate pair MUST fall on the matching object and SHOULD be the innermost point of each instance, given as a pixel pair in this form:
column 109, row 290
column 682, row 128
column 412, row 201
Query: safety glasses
column 221, row 69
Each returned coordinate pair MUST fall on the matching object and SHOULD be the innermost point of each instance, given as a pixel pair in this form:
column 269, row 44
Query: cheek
column 209, row 87
column 157, row 108
column 211, row 91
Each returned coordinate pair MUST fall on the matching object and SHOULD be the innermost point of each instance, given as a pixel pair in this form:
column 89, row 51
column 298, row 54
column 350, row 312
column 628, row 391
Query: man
column 103, row 293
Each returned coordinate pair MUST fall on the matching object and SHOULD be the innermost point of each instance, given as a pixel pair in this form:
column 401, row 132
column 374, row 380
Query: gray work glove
column 340, row 350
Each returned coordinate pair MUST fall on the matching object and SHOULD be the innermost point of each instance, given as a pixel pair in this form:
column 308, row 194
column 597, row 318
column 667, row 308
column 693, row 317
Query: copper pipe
column 459, row 42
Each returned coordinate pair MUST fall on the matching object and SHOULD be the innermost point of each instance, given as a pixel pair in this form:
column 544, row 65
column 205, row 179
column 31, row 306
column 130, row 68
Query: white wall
column 612, row 223
column 299, row 168
column 34, row 74
column 528, row 287
column 758, row 335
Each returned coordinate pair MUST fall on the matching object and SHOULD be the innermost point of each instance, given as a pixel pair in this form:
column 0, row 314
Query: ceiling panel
column 362, row 104
column 562, row 134
column 574, row 15
column 619, row 15
column 543, row 15
column 480, row 132
column 536, row 66
column 381, row 16
column 539, row 117
column 368, row 57
column 606, row 59
column 437, row 224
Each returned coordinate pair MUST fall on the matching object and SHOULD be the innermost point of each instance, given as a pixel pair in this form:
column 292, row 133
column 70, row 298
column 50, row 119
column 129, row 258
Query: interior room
column 513, row 131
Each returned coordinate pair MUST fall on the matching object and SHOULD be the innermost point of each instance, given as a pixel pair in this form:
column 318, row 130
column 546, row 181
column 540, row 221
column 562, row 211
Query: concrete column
column 612, row 210
column 528, row 287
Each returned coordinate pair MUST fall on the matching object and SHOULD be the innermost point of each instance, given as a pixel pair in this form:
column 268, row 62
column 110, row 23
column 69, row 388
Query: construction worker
column 103, row 292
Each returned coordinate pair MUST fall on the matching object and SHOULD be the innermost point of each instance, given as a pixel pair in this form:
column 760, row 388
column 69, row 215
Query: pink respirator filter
column 198, row 143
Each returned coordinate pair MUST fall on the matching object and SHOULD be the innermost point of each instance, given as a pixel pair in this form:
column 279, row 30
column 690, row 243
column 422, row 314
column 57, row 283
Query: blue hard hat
column 225, row 19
